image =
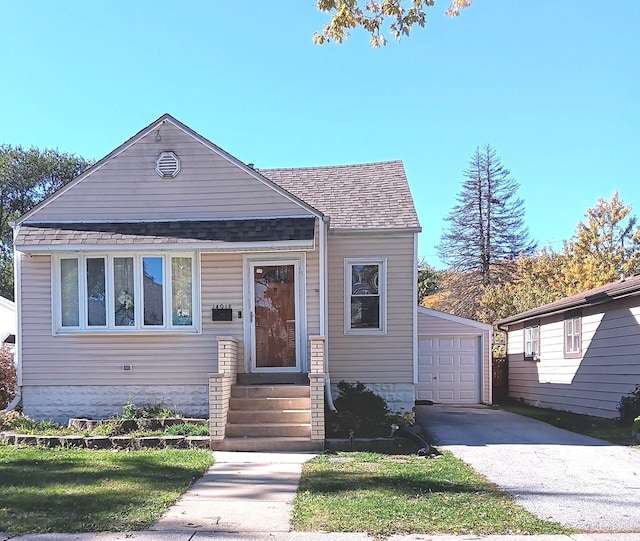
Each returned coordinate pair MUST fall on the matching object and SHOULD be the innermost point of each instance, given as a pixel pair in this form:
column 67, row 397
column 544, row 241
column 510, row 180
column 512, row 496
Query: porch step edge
column 285, row 444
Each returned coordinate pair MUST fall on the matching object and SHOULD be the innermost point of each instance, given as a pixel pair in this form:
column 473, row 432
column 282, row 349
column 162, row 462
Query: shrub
column 19, row 422
column 187, row 429
column 629, row 406
column 149, row 410
column 8, row 378
column 636, row 425
column 362, row 413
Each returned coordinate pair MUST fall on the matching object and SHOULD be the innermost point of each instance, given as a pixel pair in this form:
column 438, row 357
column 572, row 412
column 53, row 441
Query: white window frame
column 529, row 340
column 382, row 294
column 576, row 332
column 139, row 327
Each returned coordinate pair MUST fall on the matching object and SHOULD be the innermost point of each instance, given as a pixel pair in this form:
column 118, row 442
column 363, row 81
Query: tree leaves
column 371, row 15
column 26, row 178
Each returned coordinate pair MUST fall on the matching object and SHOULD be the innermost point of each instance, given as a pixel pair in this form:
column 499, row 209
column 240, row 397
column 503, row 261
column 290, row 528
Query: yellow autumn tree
column 370, row 15
column 605, row 246
column 532, row 283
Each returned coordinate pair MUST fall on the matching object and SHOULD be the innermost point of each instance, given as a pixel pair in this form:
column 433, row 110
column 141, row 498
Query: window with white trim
column 532, row 342
column 572, row 336
column 365, row 295
column 125, row 292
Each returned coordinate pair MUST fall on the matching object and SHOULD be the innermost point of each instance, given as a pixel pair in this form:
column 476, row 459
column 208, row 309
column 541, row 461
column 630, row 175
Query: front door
column 274, row 329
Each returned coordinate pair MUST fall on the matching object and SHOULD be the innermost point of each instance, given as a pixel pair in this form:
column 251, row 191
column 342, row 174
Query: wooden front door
column 274, row 329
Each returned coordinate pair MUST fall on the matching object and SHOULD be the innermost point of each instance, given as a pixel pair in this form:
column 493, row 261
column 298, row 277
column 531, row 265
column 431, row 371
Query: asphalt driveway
column 558, row 475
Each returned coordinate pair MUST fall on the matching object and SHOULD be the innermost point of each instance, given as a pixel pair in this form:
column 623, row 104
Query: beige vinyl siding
column 429, row 325
column 127, row 187
column 373, row 358
column 608, row 368
column 177, row 359
column 171, row 359
column 312, row 275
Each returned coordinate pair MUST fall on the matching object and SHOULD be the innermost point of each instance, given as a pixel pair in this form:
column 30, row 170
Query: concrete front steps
column 266, row 418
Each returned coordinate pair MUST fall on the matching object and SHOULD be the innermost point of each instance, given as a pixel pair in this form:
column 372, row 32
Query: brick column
column 220, row 386
column 317, row 378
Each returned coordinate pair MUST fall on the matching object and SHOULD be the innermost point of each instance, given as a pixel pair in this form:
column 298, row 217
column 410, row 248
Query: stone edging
column 108, row 442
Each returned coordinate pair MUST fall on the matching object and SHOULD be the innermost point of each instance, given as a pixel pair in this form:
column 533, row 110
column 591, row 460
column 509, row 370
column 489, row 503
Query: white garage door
column 449, row 369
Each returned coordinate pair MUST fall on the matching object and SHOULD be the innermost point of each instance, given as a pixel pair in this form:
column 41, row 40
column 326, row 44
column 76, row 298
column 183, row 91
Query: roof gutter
column 503, row 324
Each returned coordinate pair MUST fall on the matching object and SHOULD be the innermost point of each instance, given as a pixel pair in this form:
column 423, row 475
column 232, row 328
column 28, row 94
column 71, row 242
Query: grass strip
column 75, row 490
column 386, row 495
column 610, row 430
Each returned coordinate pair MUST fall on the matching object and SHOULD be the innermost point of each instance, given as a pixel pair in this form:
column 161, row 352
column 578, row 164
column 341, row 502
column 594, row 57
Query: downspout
column 415, row 313
column 323, row 226
column 17, row 399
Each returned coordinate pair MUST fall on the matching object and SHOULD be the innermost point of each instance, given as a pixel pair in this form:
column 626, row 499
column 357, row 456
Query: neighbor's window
column 125, row 292
column 572, row 344
column 364, row 295
column 532, row 342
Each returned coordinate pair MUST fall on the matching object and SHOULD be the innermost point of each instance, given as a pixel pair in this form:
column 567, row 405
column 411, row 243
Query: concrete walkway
column 561, row 476
column 241, row 492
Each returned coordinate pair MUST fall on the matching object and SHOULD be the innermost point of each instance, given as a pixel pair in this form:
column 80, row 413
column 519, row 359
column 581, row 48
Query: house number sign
column 221, row 312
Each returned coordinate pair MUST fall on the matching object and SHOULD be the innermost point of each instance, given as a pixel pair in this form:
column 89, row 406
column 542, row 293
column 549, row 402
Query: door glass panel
column 96, row 293
column 153, row 284
column 275, row 316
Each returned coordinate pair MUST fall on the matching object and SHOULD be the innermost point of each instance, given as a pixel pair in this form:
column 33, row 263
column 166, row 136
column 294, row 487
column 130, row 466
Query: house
column 7, row 321
column 172, row 272
column 580, row 353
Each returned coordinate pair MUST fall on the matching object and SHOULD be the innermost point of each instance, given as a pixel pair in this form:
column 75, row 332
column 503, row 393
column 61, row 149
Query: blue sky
column 553, row 86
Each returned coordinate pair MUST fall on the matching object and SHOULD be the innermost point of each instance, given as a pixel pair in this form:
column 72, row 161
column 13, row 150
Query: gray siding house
column 581, row 353
column 172, row 272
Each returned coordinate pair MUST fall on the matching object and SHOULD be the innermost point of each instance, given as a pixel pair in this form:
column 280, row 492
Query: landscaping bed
column 107, row 442
column 143, row 432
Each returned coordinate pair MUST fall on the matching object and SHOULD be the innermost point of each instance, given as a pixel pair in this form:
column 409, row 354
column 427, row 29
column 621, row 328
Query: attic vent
column 167, row 165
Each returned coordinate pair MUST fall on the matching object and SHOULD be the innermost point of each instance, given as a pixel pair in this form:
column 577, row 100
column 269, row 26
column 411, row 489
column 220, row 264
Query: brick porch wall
column 317, row 379
column 220, row 386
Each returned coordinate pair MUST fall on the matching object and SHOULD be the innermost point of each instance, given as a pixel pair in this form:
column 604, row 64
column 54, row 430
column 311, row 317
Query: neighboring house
column 581, row 353
column 7, row 321
column 172, row 272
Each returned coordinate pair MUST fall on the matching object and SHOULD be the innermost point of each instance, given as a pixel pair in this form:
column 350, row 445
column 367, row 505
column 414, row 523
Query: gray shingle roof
column 621, row 288
column 179, row 232
column 361, row 196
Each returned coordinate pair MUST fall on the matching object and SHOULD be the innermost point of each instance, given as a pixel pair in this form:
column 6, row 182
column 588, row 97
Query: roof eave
column 538, row 313
column 349, row 231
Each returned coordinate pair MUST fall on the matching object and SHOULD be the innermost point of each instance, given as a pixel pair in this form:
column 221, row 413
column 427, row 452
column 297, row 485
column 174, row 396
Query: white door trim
column 298, row 260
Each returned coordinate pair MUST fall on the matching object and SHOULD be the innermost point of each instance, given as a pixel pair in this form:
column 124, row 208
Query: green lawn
column 597, row 427
column 386, row 495
column 74, row 490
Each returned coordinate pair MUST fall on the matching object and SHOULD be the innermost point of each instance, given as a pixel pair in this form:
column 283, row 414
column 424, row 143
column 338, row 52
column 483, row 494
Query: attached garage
column 454, row 359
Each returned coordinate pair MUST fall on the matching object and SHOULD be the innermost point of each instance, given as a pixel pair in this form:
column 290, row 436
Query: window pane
column 181, row 291
column 123, row 286
column 153, row 280
column 96, row 294
column 531, row 340
column 364, row 279
column 69, row 296
column 365, row 312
